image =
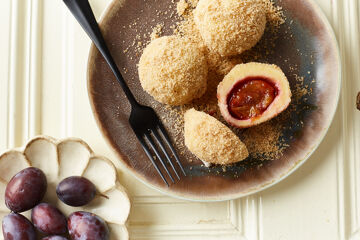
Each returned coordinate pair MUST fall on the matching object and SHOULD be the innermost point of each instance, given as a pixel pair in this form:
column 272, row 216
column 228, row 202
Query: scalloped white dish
column 59, row 159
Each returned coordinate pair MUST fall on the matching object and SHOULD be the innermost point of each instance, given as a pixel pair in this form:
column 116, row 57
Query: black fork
column 143, row 120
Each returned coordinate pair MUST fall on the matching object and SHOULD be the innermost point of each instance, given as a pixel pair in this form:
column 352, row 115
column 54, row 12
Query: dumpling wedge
column 212, row 141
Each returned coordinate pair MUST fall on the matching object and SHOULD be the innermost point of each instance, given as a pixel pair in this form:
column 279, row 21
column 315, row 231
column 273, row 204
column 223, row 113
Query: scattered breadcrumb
column 157, row 31
column 263, row 140
column 182, row 7
column 274, row 14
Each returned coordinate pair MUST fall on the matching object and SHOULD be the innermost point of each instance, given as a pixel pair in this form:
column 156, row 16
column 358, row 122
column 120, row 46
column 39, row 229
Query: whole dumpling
column 230, row 27
column 173, row 70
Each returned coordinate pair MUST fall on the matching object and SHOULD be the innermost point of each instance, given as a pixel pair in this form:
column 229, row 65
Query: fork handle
column 81, row 10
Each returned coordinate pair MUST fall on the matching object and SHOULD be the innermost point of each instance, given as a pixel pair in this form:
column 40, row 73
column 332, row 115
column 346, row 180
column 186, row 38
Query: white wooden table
column 43, row 59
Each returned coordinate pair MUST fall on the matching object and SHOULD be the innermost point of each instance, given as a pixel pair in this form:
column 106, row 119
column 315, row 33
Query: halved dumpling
column 211, row 141
column 253, row 93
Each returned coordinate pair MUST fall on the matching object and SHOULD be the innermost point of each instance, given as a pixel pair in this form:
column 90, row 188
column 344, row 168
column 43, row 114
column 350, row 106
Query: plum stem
column 102, row 195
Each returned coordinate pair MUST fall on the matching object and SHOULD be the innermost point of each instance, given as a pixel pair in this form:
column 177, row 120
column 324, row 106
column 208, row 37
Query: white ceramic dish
column 59, row 159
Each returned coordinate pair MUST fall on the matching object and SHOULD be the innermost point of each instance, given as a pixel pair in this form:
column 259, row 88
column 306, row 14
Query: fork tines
column 160, row 150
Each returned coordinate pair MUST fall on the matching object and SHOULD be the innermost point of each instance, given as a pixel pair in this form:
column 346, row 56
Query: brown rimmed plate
column 305, row 46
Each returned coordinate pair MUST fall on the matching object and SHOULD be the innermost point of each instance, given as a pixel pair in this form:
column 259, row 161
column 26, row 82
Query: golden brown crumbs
column 274, row 14
column 358, row 101
column 157, row 31
column 300, row 89
column 193, row 3
column 181, row 7
column 262, row 140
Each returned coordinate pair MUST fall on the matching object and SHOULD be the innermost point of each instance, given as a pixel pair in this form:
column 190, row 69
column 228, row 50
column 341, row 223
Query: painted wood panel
column 43, row 91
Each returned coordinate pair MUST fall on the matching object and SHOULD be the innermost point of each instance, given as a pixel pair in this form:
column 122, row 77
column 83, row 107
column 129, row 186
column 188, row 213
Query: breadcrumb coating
column 173, row 70
column 182, row 6
column 212, row 141
column 230, row 27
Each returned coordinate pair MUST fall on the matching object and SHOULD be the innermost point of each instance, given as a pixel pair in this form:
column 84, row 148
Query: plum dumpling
column 211, row 141
column 173, row 70
column 230, row 27
column 253, row 93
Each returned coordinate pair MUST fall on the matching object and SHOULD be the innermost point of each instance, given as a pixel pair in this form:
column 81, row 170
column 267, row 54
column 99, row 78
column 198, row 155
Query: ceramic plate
column 305, row 46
